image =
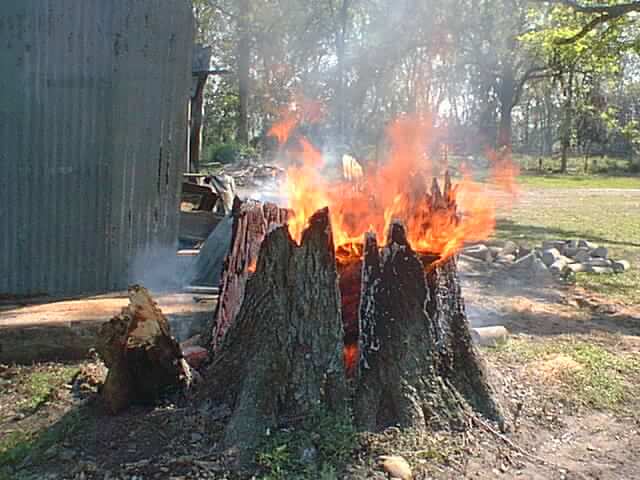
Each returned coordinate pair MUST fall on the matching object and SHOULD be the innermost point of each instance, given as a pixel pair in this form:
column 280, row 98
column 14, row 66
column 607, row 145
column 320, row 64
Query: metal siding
column 91, row 93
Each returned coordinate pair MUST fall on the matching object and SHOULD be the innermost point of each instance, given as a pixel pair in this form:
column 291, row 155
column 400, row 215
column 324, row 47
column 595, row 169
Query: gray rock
column 506, row 259
column 582, row 255
column 600, row 252
column 550, row 256
column 510, row 248
column 587, row 244
column 621, row 266
column 599, row 262
column 481, row 252
column 599, row 270
column 577, row 267
column 559, row 266
column 559, row 245
column 529, row 266
column 523, row 252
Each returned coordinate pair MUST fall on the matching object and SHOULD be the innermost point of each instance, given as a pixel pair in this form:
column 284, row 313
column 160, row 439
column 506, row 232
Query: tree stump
column 251, row 222
column 282, row 356
column 418, row 367
column 142, row 357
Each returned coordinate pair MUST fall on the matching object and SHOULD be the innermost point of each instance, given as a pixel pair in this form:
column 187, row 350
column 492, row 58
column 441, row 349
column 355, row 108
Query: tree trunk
column 195, row 140
column 418, row 366
column 282, row 356
column 251, row 222
column 244, row 63
column 143, row 358
column 567, row 124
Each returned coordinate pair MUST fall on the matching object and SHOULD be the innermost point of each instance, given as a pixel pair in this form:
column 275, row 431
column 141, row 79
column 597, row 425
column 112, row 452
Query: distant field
column 549, row 209
column 579, row 181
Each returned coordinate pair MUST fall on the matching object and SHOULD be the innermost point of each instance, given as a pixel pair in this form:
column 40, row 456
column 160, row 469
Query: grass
column 584, row 372
column 579, row 181
column 322, row 444
column 611, row 219
column 40, row 384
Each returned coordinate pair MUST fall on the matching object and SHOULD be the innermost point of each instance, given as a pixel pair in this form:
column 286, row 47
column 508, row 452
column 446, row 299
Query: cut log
column 418, row 366
column 281, row 356
column 143, row 358
column 251, row 222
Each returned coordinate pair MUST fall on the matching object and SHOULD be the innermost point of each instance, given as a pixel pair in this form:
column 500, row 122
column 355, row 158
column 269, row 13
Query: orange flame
column 398, row 190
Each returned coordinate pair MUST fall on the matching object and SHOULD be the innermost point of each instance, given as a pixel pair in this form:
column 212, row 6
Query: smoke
column 160, row 269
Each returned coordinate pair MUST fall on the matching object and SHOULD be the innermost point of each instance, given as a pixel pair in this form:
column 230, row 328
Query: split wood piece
column 417, row 358
column 282, row 357
column 143, row 358
column 251, row 222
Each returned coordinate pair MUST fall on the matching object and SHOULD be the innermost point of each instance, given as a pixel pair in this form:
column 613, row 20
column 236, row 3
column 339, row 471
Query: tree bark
column 143, row 358
column 195, row 140
column 282, row 356
column 244, row 63
column 251, row 222
column 418, row 366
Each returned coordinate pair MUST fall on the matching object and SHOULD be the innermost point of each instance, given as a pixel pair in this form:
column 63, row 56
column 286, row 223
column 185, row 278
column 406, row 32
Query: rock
column 577, row 267
column 550, row 256
column 481, row 252
column 586, row 244
column 397, row 467
column 523, row 252
column 489, row 336
column 506, row 259
column 559, row 266
column 510, row 248
column 621, row 266
column 530, row 266
column 196, row 437
column 559, row 245
column 599, row 262
column 582, row 255
column 600, row 252
column 599, row 270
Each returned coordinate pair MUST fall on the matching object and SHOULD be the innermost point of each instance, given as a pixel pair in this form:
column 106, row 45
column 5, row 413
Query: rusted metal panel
column 93, row 135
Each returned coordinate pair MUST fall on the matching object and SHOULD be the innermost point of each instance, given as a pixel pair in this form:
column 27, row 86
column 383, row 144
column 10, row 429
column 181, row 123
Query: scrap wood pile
column 247, row 173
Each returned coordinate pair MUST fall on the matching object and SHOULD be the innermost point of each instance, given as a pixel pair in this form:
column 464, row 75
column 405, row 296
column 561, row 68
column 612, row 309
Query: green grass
column 39, row 385
column 608, row 219
column 601, row 379
column 17, row 446
column 579, row 181
column 331, row 438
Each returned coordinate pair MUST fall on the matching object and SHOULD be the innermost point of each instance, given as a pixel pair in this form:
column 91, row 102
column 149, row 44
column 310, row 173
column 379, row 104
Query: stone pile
column 559, row 257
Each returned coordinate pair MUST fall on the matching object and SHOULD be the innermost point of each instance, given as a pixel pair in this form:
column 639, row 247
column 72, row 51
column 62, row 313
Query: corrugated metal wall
column 93, row 119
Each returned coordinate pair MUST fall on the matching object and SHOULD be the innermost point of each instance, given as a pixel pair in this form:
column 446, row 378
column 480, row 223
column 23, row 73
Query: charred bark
column 418, row 366
column 143, row 358
column 251, row 222
column 282, row 354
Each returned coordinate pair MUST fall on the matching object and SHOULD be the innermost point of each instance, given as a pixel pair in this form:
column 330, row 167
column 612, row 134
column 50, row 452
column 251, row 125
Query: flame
column 438, row 222
column 351, row 356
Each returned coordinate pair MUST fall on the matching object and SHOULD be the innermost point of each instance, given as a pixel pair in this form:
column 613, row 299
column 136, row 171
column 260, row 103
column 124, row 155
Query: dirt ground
column 565, row 424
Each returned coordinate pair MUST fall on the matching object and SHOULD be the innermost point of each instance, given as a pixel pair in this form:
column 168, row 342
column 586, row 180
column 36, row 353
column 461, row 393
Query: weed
column 315, row 449
column 586, row 373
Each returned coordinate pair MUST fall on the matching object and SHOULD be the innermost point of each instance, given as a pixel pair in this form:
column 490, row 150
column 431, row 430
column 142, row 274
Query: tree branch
column 605, row 13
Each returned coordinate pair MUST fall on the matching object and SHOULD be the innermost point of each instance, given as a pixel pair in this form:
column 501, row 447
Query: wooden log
column 251, row 222
column 282, row 355
column 143, row 358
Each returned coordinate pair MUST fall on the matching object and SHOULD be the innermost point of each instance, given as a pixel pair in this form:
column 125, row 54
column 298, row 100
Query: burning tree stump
column 143, row 358
column 282, row 354
column 418, row 366
column 251, row 222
